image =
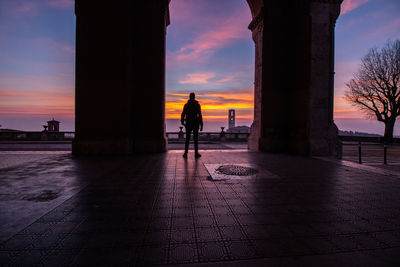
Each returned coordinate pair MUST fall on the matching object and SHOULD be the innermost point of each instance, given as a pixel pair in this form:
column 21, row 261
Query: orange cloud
column 344, row 110
column 215, row 105
column 27, row 95
column 349, row 5
column 197, row 78
column 26, row 103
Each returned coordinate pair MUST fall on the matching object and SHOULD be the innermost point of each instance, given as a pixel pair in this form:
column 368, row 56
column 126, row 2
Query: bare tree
column 375, row 88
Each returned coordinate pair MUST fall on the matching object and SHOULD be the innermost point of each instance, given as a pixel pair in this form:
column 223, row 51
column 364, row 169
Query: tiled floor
column 155, row 209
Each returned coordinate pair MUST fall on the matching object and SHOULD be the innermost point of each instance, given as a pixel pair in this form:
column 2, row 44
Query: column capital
column 257, row 20
column 323, row 11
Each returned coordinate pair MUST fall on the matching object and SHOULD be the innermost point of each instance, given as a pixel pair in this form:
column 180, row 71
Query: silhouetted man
column 192, row 120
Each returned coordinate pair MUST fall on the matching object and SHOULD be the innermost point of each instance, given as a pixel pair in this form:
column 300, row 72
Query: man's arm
column 200, row 119
column 183, row 115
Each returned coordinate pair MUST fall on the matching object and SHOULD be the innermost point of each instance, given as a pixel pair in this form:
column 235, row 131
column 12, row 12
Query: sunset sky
column 209, row 51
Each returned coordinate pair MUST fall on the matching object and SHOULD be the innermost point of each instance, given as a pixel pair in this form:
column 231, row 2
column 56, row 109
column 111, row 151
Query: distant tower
column 231, row 120
column 53, row 126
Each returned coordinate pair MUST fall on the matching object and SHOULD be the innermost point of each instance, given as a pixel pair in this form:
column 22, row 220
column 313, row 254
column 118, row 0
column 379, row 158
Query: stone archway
column 120, row 76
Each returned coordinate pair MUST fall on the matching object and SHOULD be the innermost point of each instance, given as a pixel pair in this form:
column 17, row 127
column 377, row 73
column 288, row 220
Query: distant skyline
column 209, row 51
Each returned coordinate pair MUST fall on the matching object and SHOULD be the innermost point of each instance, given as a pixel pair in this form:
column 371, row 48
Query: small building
column 239, row 129
column 53, row 126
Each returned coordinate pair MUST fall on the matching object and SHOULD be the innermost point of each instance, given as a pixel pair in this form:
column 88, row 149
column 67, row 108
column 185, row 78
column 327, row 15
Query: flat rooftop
column 153, row 209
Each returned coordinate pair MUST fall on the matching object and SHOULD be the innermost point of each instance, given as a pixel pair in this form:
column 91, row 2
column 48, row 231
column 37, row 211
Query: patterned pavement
column 155, row 209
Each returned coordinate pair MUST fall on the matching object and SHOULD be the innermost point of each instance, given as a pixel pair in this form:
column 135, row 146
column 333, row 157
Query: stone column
column 257, row 27
column 280, row 87
column 103, row 89
column 120, row 76
column 151, row 19
column 323, row 131
column 293, row 107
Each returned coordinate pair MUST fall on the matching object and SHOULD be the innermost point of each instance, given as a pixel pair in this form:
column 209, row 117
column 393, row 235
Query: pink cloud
column 53, row 84
column 349, row 5
column 183, row 10
column 207, row 43
column 212, row 33
column 197, row 78
column 19, row 8
column 225, row 80
column 389, row 29
column 344, row 72
column 61, row 3
column 53, row 46
column 26, row 7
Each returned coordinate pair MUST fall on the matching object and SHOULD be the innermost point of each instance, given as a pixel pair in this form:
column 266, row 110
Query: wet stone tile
column 232, row 233
column 207, row 234
column 55, row 257
column 182, row 222
column 156, row 237
column 270, row 248
column 255, row 232
column 160, row 223
column 27, row 258
column 19, row 242
column 183, row 253
column 241, row 250
column 183, row 236
column 75, row 241
column 212, row 251
column 204, row 221
column 159, row 209
column 110, row 256
column 226, row 220
column 152, row 255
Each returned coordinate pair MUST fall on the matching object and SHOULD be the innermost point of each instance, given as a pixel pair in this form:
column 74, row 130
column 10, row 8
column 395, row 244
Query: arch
column 120, row 76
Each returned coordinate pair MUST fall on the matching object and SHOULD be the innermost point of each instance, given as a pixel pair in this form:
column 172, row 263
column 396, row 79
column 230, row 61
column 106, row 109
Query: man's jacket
column 191, row 114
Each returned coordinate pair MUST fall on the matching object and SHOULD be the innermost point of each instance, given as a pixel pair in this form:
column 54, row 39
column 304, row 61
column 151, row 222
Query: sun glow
column 214, row 105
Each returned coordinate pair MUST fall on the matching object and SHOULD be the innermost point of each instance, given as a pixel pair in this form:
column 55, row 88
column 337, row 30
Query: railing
column 371, row 152
column 365, row 139
column 210, row 136
column 368, row 149
column 69, row 136
column 37, row 136
column 172, row 136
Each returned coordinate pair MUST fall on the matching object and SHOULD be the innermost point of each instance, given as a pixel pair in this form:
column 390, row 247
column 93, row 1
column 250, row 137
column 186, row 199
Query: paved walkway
column 155, row 209
column 36, row 146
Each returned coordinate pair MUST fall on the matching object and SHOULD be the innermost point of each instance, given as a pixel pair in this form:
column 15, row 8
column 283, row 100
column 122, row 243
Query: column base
column 327, row 144
column 102, row 147
column 254, row 138
column 324, row 142
column 151, row 145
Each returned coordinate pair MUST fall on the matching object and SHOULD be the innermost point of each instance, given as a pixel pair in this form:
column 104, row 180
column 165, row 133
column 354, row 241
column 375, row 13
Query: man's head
column 192, row 96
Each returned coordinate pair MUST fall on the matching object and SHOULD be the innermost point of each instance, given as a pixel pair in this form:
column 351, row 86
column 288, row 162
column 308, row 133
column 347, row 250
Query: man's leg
column 196, row 142
column 188, row 132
